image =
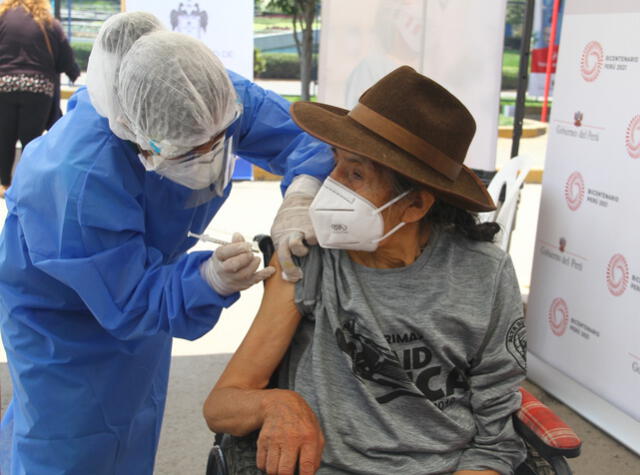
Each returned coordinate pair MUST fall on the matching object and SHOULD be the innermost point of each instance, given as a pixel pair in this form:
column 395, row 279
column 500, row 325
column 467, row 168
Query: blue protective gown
column 95, row 282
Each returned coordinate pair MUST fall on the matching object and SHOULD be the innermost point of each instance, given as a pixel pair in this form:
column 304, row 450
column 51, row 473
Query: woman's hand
column 290, row 435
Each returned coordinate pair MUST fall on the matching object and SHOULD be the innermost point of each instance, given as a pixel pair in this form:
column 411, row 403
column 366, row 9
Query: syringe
column 207, row 238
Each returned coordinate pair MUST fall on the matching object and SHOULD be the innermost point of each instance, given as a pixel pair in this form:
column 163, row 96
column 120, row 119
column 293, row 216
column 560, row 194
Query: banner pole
column 552, row 40
column 523, row 75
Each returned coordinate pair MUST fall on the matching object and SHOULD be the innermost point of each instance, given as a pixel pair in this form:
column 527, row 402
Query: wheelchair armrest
column 544, row 430
column 266, row 247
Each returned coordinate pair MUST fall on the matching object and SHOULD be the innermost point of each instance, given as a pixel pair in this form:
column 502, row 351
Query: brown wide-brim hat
column 411, row 124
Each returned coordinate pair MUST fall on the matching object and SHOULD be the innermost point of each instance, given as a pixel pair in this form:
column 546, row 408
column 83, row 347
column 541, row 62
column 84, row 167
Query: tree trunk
column 306, row 12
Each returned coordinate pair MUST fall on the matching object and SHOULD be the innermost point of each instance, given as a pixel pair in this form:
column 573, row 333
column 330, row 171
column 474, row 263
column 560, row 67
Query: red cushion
column 548, row 427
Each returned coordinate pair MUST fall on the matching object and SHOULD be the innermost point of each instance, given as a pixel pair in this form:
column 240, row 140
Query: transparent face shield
column 220, row 164
column 208, row 173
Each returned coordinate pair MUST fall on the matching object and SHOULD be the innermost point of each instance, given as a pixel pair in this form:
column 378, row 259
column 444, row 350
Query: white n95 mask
column 342, row 219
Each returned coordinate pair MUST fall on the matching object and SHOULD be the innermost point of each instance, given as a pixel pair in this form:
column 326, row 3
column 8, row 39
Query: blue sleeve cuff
column 202, row 304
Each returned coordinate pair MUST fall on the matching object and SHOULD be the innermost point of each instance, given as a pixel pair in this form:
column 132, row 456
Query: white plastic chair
column 511, row 176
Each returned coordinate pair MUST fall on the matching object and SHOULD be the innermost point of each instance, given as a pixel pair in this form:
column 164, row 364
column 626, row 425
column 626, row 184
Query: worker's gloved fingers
column 263, row 274
column 297, row 245
column 244, row 277
column 284, row 255
column 292, row 224
column 290, row 271
column 237, row 237
column 311, row 239
column 237, row 264
column 228, row 251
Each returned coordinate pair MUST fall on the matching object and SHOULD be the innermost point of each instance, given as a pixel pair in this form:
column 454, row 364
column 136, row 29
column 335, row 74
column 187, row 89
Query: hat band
column 407, row 141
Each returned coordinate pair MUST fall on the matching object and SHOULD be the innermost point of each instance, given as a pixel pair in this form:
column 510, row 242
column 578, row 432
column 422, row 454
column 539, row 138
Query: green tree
column 303, row 14
column 515, row 14
column 258, row 6
column 259, row 63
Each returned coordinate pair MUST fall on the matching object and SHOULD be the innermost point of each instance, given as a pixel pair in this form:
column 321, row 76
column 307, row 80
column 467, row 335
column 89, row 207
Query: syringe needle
column 207, row 238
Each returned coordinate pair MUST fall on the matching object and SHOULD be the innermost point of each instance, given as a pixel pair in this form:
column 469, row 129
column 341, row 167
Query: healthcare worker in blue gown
column 94, row 275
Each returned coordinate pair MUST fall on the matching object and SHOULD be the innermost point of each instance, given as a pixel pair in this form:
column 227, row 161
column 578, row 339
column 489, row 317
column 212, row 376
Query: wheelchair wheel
column 216, row 464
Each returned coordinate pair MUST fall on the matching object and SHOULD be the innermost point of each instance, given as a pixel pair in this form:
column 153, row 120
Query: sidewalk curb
column 532, row 128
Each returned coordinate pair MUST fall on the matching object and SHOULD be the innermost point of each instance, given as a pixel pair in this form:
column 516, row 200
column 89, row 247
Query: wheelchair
column 548, row 439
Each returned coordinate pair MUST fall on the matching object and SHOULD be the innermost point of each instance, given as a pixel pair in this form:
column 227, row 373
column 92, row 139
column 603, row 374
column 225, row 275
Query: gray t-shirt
column 412, row 370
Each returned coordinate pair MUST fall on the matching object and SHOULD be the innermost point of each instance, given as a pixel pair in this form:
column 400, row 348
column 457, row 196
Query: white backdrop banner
column 584, row 308
column 456, row 42
column 226, row 27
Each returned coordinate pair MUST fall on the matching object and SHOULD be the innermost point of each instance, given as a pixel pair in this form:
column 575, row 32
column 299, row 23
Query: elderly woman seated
column 402, row 348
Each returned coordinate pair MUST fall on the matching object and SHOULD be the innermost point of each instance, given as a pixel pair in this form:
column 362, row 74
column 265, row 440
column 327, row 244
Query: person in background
column 33, row 52
column 397, row 36
column 95, row 278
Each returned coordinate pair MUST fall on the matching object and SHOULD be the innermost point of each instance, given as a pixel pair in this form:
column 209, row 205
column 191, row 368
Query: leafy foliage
column 259, row 62
column 303, row 14
column 285, row 66
column 81, row 51
column 515, row 12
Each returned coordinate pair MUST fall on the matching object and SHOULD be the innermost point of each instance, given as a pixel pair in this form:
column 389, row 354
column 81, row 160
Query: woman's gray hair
column 445, row 215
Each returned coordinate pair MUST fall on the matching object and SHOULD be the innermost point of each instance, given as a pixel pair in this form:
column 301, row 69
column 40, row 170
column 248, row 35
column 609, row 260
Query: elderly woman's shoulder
column 481, row 253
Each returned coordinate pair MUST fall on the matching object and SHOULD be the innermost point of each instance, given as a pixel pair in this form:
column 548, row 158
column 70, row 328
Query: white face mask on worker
column 342, row 219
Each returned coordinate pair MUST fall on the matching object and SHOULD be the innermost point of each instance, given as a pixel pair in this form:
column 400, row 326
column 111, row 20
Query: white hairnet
column 115, row 38
column 175, row 93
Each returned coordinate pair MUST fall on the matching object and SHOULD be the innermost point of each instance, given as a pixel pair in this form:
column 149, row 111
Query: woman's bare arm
column 290, row 435
column 236, row 404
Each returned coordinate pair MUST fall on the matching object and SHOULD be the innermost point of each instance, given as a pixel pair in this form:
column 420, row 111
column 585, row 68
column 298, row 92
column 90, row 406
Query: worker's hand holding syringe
column 233, row 266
